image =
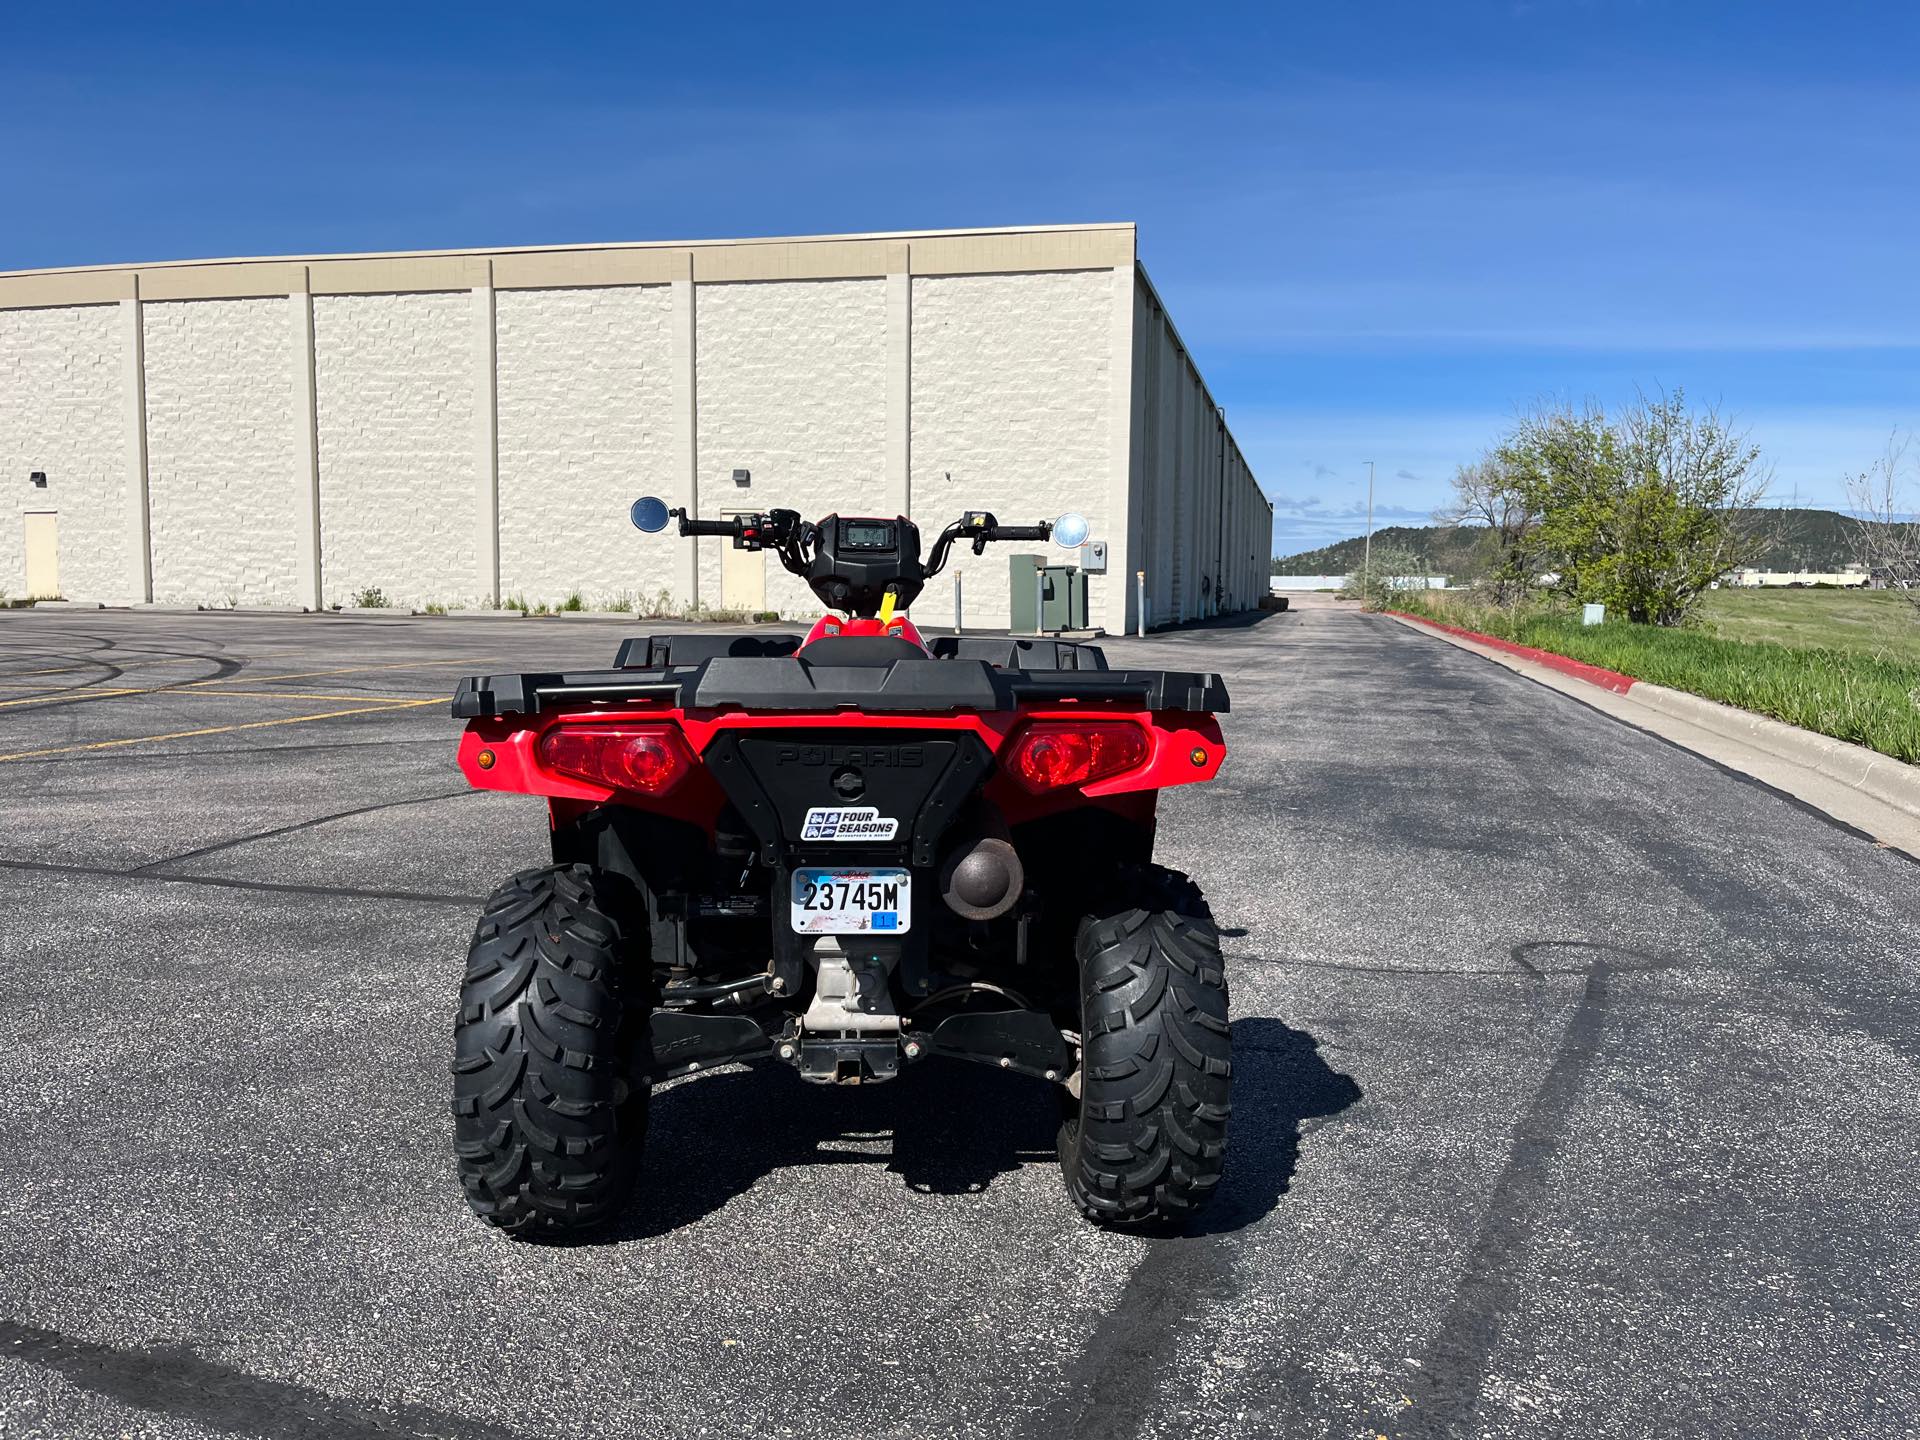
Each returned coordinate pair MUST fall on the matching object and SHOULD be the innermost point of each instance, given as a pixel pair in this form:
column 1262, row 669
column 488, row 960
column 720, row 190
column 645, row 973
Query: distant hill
column 1806, row 540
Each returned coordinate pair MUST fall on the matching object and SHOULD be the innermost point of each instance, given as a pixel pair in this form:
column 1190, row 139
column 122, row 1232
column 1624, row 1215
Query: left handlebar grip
column 708, row 527
column 1023, row 532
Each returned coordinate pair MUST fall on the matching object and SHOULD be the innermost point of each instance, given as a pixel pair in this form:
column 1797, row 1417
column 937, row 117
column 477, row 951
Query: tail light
column 648, row 760
column 1051, row 754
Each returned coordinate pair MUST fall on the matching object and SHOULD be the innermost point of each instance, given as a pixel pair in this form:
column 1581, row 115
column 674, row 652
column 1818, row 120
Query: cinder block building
column 468, row 427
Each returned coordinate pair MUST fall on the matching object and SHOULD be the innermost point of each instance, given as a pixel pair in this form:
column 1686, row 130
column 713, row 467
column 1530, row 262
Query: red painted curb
column 1593, row 674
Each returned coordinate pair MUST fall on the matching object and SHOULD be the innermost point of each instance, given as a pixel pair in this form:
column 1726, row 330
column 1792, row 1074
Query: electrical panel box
column 1060, row 592
column 1093, row 557
column 1021, row 570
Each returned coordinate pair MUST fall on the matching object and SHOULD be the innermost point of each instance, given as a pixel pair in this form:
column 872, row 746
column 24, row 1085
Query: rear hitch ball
column 982, row 878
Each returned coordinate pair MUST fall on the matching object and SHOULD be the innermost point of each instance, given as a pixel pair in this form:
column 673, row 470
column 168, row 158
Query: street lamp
column 1366, row 563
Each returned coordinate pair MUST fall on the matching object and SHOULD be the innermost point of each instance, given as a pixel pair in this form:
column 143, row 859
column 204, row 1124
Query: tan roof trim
column 225, row 282
column 398, row 275
column 33, row 291
column 956, row 252
column 801, row 260
column 995, row 254
column 1126, row 226
column 579, row 269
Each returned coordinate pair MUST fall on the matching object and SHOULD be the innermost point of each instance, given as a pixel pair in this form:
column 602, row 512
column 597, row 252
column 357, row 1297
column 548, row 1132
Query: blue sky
column 1384, row 228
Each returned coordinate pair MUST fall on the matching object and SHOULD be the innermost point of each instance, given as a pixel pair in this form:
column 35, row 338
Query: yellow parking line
column 133, row 663
column 216, row 730
column 296, row 695
column 68, row 697
column 349, row 670
column 52, row 697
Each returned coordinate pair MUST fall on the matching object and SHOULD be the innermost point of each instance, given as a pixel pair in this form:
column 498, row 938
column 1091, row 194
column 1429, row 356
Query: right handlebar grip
column 1022, row 532
column 708, row 527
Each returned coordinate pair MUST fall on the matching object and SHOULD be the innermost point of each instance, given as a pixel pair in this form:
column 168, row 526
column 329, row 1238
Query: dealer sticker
column 861, row 822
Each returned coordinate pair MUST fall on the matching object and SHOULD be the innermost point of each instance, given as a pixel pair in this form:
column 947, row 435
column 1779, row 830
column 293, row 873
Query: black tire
column 1146, row 1143
column 549, row 1119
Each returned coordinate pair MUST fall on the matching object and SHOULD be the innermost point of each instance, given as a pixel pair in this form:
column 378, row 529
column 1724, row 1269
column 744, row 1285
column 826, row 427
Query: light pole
column 1366, row 563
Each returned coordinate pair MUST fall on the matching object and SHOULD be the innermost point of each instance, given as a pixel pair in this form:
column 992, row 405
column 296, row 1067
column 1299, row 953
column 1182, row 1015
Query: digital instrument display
column 867, row 535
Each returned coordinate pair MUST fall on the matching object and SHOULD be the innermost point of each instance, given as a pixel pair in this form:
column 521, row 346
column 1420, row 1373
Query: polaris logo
column 898, row 757
column 860, row 822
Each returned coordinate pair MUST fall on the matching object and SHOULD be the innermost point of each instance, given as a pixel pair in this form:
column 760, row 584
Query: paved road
column 1577, row 1091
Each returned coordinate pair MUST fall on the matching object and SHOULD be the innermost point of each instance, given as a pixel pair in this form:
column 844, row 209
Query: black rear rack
column 792, row 683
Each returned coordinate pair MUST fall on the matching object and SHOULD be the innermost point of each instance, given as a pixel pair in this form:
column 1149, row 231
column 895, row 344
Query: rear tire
column 549, row 1118
column 1146, row 1143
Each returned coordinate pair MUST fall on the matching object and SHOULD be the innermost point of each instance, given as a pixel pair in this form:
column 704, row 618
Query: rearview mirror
column 1071, row 530
column 649, row 513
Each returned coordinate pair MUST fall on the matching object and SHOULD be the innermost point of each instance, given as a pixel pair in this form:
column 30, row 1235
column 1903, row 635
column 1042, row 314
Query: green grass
column 1852, row 694
column 1879, row 623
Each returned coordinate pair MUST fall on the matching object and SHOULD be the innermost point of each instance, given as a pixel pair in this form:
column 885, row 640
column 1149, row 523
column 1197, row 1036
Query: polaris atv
column 845, row 854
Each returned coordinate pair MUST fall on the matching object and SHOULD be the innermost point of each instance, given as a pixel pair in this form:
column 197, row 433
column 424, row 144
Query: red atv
column 843, row 854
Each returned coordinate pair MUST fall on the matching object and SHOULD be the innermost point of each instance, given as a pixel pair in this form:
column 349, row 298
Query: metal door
column 43, row 555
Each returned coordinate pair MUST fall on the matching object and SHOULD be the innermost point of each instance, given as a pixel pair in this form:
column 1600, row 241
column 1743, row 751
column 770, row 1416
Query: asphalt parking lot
column 1576, row 1093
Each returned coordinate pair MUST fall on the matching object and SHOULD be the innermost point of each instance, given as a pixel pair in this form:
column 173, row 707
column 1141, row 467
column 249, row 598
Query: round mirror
column 649, row 514
column 1071, row 530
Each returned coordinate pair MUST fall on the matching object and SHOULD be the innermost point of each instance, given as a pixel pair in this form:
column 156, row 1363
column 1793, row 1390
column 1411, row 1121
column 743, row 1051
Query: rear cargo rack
column 792, row 684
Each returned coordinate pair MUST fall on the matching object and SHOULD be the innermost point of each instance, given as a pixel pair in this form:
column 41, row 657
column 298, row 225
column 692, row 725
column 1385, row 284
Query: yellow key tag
column 886, row 607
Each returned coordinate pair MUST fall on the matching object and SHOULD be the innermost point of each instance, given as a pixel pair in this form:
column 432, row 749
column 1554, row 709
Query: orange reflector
column 1199, row 755
column 484, row 759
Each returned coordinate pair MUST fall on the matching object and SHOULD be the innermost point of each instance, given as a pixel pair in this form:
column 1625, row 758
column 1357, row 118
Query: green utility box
column 1060, row 589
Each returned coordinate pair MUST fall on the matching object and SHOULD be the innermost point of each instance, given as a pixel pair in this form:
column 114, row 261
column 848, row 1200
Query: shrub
column 1391, row 572
column 371, row 598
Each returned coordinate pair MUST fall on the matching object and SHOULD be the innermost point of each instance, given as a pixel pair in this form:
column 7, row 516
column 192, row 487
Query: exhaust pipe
column 982, row 876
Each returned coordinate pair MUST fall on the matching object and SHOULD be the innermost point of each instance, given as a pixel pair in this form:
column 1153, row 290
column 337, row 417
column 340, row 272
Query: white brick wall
column 61, row 412
column 1012, row 395
column 220, row 452
column 1016, row 388
column 791, row 386
column 394, row 382
column 585, row 405
column 1209, row 529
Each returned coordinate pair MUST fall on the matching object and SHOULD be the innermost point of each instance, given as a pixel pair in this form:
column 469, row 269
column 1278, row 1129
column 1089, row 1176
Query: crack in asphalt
column 1453, row 1367
column 156, row 867
column 223, row 883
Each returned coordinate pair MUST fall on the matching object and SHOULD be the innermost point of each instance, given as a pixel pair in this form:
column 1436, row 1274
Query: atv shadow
column 1279, row 1084
column 947, row 1127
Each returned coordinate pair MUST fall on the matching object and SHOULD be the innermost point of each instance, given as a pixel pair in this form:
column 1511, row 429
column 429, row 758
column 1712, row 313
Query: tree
column 1396, row 569
column 1487, row 498
column 1642, row 513
column 1886, row 535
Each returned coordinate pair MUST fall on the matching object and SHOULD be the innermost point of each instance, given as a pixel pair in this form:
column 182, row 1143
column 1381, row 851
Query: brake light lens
column 647, row 760
column 1051, row 755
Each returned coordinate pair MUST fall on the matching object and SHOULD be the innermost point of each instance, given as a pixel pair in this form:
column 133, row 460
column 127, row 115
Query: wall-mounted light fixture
column 743, row 477
column 38, row 479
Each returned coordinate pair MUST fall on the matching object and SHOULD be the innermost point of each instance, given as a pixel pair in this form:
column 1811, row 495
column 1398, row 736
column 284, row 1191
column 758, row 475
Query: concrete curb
column 1880, row 777
column 1593, row 674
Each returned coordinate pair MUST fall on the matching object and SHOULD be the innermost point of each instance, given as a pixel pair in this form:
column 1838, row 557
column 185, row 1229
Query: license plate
column 851, row 902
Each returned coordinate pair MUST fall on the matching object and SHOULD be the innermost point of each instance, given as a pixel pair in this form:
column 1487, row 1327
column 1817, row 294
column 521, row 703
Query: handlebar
column 709, row 527
column 796, row 541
